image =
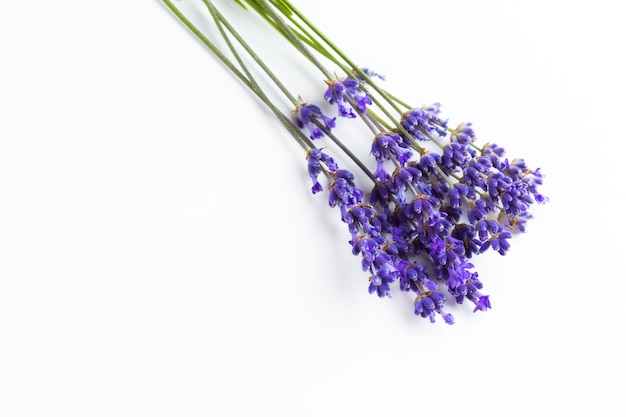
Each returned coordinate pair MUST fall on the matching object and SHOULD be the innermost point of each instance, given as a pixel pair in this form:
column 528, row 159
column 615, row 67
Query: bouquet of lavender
column 436, row 197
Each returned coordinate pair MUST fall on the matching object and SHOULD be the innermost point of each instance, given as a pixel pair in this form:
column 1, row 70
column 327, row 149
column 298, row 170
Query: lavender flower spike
column 308, row 114
column 342, row 92
column 315, row 160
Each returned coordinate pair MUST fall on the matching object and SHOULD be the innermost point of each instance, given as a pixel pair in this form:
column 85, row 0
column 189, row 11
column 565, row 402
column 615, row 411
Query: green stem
column 341, row 65
column 363, row 117
column 368, row 80
column 219, row 19
column 302, row 140
column 375, row 122
column 431, row 137
column 343, row 56
column 400, row 102
column 346, row 150
column 386, row 96
column 379, row 119
column 206, row 42
column 251, row 52
column 311, row 41
column 303, row 35
column 216, row 19
column 303, row 49
column 318, row 46
column 294, row 39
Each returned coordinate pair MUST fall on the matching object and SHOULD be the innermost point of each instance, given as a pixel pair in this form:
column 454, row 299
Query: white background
column 161, row 255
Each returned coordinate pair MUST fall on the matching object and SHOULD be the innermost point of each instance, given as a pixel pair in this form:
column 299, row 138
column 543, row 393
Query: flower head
column 316, row 159
column 369, row 73
column 429, row 303
column 309, row 115
column 346, row 93
column 420, row 123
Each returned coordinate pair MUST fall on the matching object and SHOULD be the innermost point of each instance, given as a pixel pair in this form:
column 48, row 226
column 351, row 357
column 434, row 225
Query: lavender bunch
column 436, row 198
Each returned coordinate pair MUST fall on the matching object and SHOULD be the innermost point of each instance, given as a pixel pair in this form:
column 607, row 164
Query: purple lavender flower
column 429, row 303
column 428, row 214
column 365, row 227
column 370, row 249
column 428, row 163
column 403, row 178
column 445, row 250
column 458, row 191
column 487, row 227
column 416, row 211
column 341, row 92
column 420, row 123
column 381, row 194
column 476, row 171
column 308, row 114
column 463, row 134
column 517, row 223
column 413, row 275
column 423, row 207
column 455, row 156
column 379, row 282
column 498, row 242
column 359, row 218
column 466, row 233
column 476, row 210
column 493, row 152
column 464, row 284
column 369, row 73
column 343, row 190
column 533, row 179
column 315, row 160
column 481, row 301
column 389, row 146
column 470, row 289
column 516, row 199
column 497, row 183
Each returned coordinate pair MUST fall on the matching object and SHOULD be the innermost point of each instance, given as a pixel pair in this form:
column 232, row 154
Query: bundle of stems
column 436, row 197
